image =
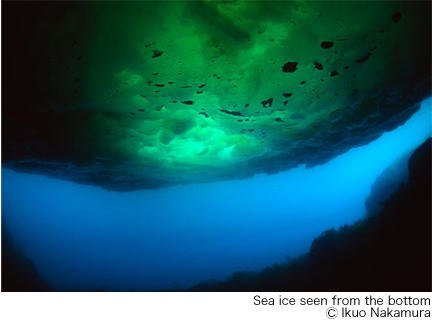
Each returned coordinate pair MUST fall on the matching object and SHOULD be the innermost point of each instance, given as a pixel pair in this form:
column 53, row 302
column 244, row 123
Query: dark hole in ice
column 326, row 45
column 364, row 58
column 267, row 103
column 290, row 67
column 231, row 112
column 157, row 53
column 318, row 66
column 396, row 17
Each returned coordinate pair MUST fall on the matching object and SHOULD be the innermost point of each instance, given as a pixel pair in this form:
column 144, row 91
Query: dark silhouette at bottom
column 390, row 251
column 18, row 272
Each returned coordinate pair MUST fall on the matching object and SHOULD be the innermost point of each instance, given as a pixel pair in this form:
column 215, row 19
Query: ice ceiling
column 140, row 95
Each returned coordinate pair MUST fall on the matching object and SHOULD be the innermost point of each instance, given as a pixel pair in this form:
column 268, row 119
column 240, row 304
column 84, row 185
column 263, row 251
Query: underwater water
column 86, row 238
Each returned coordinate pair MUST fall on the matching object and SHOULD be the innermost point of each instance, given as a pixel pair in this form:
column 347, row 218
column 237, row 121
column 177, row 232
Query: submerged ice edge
column 180, row 236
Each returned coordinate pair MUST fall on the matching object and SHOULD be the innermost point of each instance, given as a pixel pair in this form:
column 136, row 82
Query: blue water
column 85, row 238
